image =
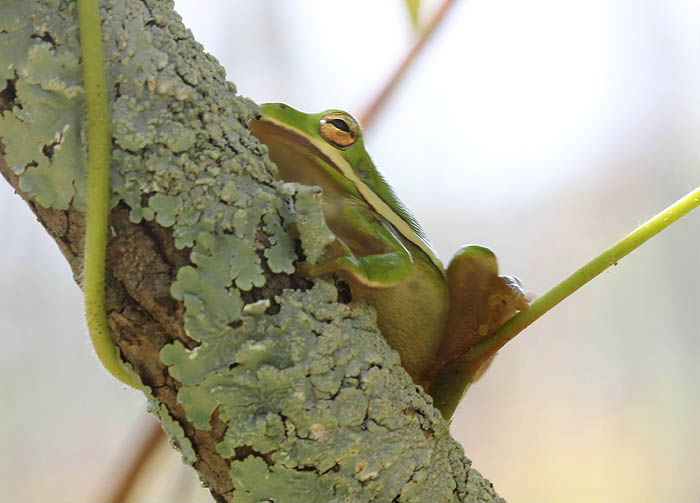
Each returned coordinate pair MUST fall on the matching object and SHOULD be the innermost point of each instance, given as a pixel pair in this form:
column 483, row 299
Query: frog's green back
column 361, row 162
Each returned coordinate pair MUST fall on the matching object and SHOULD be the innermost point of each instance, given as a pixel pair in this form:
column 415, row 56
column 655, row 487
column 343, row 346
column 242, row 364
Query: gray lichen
column 176, row 434
column 308, row 390
column 42, row 136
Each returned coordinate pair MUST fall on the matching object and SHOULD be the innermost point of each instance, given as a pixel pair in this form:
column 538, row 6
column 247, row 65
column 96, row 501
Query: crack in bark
column 8, row 97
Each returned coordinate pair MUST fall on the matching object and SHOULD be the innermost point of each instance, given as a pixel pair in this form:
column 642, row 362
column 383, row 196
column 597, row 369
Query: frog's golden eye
column 339, row 129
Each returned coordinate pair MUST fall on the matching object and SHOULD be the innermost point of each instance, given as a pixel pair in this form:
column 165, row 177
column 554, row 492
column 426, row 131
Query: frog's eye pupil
column 339, row 129
column 340, row 124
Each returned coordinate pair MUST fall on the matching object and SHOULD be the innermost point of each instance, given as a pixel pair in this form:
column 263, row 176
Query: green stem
column 99, row 139
column 542, row 304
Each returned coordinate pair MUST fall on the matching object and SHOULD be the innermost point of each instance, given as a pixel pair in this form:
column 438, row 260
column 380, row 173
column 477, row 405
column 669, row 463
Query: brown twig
column 150, row 441
column 367, row 118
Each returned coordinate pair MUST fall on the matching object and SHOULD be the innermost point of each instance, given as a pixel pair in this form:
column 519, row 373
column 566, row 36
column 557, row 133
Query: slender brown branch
column 147, row 447
column 367, row 118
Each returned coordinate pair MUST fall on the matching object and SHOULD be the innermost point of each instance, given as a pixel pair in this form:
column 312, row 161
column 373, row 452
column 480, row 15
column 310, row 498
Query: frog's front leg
column 480, row 302
column 380, row 259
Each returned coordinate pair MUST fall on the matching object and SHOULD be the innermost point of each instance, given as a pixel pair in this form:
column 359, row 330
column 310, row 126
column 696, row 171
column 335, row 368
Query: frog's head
column 309, row 148
column 333, row 136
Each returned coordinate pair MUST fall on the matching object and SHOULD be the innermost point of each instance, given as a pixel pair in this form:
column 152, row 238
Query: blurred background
column 545, row 130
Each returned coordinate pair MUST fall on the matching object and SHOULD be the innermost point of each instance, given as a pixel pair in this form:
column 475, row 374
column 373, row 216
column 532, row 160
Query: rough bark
column 269, row 386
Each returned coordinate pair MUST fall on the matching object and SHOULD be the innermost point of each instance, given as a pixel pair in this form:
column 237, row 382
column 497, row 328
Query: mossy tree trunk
column 269, row 386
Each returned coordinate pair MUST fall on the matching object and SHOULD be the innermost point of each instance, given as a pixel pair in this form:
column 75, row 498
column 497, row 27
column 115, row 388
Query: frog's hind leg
column 480, row 302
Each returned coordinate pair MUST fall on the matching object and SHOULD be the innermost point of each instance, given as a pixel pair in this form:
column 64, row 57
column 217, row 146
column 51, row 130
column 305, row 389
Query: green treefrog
column 430, row 315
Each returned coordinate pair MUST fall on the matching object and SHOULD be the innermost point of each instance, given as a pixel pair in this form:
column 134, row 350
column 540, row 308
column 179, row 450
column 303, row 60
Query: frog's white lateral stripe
column 368, row 194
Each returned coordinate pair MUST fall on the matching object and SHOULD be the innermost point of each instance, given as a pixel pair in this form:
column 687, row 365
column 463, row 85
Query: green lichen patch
column 299, row 389
column 479, row 489
column 42, row 132
column 307, row 215
column 281, row 252
column 256, row 481
column 211, row 309
column 175, row 433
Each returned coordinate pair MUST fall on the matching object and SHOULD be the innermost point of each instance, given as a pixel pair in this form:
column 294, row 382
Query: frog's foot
column 311, row 270
column 505, row 298
column 332, row 262
column 381, row 270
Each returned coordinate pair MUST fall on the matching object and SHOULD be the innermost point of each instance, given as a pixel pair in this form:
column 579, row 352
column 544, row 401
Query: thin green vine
column 99, row 138
column 541, row 305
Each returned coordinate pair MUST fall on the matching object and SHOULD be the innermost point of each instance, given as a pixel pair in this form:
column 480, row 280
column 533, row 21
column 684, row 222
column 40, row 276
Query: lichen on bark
column 270, row 387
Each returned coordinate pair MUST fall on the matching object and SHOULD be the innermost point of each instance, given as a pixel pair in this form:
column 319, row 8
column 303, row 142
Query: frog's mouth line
column 300, row 140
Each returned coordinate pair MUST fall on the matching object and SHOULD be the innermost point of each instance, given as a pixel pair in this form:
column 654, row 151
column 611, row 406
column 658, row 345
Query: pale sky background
column 545, row 130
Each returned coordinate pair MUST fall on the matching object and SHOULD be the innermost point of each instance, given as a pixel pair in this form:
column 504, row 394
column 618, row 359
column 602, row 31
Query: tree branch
column 269, row 386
